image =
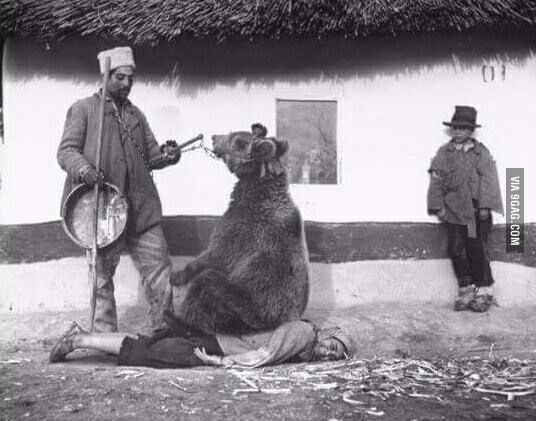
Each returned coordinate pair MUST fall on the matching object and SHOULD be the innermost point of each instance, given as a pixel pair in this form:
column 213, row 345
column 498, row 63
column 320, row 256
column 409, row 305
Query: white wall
column 389, row 126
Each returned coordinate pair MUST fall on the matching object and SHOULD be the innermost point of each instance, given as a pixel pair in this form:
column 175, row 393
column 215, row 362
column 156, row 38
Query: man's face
column 120, row 82
column 330, row 349
column 461, row 134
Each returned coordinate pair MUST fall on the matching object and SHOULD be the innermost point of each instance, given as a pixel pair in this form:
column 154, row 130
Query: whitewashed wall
column 389, row 126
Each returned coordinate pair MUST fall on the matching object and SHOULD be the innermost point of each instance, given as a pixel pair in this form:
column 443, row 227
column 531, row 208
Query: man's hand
column 171, row 152
column 484, row 214
column 88, row 175
column 208, row 359
column 174, row 157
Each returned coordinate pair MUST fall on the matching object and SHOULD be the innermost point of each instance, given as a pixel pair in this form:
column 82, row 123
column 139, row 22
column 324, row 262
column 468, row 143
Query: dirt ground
column 419, row 339
column 90, row 386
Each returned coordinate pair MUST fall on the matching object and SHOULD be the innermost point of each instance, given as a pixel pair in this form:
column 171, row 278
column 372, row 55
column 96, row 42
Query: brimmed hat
column 119, row 56
column 464, row 116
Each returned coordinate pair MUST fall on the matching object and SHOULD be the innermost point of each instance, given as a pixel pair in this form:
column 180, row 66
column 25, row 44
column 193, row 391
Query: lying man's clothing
column 166, row 349
column 292, row 341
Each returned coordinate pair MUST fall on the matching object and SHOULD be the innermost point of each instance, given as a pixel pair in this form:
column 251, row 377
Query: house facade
column 364, row 118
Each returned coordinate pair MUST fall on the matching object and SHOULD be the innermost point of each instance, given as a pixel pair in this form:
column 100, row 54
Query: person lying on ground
column 180, row 346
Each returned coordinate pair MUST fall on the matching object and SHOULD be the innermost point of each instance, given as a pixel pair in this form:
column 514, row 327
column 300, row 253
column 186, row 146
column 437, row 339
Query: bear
column 254, row 274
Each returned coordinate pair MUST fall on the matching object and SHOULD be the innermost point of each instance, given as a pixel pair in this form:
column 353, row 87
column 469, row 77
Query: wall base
column 62, row 285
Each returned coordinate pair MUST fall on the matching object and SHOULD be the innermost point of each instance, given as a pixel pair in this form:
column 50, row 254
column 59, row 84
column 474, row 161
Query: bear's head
column 245, row 154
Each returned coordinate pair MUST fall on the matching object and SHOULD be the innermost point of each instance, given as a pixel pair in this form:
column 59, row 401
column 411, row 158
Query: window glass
column 311, row 128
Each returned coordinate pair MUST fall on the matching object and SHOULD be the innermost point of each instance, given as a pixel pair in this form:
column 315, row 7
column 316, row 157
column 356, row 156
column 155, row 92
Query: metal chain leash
column 122, row 125
column 201, row 146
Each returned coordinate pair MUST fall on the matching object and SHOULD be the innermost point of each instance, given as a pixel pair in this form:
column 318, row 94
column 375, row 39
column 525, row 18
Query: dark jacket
column 458, row 177
column 121, row 162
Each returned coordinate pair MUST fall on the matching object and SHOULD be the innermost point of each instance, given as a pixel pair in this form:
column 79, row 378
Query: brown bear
column 254, row 275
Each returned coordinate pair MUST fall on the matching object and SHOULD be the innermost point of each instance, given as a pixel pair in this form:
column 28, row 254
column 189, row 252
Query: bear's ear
column 264, row 150
column 281, row 146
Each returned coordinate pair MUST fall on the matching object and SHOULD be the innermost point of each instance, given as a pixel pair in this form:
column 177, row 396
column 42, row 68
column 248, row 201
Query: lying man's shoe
column 65, row 344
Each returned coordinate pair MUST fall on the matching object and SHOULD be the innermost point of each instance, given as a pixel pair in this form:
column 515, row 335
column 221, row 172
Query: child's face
column 330, row 349
column 461, row 134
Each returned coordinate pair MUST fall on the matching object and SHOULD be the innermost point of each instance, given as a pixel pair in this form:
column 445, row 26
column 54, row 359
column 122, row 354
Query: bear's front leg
column 190, row 271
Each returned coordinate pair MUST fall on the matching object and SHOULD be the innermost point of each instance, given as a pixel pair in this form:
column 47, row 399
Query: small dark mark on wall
column 489, row 73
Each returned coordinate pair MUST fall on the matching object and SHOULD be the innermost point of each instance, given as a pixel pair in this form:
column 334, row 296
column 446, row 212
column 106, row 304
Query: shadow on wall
column 196, row 66
column 322, row 294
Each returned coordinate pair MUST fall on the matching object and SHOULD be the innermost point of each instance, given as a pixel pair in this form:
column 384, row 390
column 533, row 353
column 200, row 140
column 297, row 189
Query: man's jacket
column 459, row 177
column 121, row 162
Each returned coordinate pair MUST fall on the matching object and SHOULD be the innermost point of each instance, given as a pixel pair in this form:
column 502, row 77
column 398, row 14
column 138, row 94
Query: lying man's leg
column 164, row 349
column 77, row 338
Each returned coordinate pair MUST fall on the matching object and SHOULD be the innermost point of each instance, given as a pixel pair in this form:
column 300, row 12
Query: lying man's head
column 331, row 344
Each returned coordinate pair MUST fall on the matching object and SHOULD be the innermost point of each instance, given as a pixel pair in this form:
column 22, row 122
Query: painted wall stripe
column 327, row 242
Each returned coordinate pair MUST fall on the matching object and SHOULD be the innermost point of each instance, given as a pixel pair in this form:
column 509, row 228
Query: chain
column 201, row 146
column 123, row 126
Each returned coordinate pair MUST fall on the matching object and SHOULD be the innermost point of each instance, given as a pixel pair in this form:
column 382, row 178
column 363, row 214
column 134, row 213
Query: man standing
column 128, row 145
column 464, row 189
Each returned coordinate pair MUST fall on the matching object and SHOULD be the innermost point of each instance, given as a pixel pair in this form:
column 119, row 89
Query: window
column 310, row 126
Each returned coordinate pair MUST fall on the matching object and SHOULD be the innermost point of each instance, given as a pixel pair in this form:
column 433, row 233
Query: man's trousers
column 150, row 254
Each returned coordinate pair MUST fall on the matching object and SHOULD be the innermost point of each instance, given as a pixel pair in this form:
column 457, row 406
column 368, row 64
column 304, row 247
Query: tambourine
column 78, row 215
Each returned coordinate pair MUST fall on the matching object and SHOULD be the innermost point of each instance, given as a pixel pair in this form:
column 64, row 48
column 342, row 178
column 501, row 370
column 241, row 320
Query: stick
column 509, row 395
column 246, row 391
column 172, row 383
column 189, row 142
column 247, row 381
column 162, row 161
column 93, row 267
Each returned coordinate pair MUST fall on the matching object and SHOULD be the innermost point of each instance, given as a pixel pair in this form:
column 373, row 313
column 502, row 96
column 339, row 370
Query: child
column 464, row 189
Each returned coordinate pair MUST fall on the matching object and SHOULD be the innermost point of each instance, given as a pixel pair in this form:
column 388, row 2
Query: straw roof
column 153, row 21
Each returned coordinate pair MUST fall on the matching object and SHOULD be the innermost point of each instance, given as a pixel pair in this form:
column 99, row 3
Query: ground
column 92, row 387
column 421, row 371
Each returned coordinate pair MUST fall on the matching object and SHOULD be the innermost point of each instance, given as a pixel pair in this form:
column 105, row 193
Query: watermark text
column 514, row 210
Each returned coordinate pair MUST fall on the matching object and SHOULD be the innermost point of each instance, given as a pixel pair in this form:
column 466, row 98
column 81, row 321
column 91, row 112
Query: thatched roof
column 152, row 21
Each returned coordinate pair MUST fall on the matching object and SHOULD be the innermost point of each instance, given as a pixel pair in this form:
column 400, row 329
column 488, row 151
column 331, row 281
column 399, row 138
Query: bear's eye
column 241, row 144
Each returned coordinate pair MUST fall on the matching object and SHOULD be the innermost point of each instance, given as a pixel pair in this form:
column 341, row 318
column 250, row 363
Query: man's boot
column 483, row 300
column 465, row 296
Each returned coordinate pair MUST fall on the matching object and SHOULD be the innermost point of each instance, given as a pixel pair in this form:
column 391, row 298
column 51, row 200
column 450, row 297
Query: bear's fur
column 254, row 275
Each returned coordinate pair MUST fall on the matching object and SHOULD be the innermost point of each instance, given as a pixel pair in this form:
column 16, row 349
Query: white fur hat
column 119, row 56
